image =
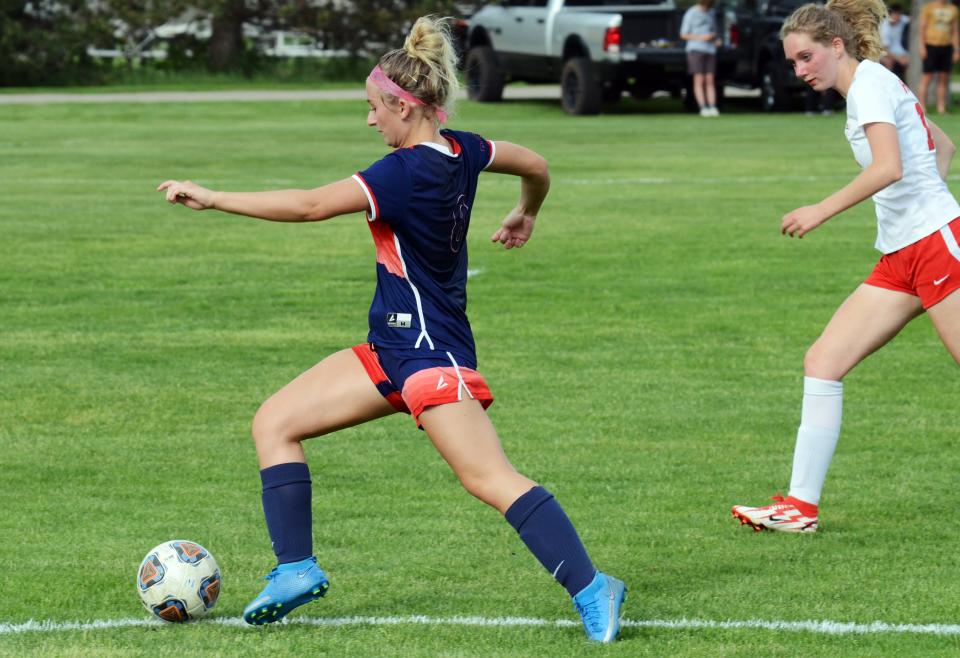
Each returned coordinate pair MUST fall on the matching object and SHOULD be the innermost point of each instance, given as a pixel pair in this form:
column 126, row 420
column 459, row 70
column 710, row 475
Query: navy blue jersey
column 420, row 200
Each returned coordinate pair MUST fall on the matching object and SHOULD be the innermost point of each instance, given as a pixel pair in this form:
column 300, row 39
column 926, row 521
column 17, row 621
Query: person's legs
column 943, row 79
column 335, row 393
column 710, row 90
column 867, row 320
column 698, row 90
column 924, row 89
column 946, row 319
column 466, row 439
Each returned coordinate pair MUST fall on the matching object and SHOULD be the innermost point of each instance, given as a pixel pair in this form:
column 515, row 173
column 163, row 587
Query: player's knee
column 269, row 425
column 818, row 363
column 474, row 482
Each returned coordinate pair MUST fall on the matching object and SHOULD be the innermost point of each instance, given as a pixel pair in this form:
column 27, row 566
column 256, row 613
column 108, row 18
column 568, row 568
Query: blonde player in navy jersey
column 419, row 357
column 905, row 159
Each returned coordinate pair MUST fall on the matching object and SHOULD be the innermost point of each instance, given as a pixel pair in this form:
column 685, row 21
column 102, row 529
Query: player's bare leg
column 467, row 440
column 946, row 320
column 866, row 321
column 335, row 393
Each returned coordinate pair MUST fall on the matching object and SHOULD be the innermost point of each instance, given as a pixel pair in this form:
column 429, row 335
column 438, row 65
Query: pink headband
column 380, row 79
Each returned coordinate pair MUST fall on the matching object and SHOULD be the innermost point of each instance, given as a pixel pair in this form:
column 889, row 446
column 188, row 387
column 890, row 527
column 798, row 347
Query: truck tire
column 484, row 78
column 773, row 95
column 580, row 93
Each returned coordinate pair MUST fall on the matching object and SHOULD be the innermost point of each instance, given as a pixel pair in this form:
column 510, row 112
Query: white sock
column 816, row 438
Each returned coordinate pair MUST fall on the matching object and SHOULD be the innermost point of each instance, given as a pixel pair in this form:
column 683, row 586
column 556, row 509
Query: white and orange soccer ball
column 178, row 581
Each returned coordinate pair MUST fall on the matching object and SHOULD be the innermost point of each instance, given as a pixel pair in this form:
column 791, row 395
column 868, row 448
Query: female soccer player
column 905, row 159
column 419, row 357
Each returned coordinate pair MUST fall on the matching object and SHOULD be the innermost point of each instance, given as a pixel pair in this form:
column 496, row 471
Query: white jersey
column 919, row 203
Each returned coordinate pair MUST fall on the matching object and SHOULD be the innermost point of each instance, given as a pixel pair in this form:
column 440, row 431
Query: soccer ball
column 178, row 581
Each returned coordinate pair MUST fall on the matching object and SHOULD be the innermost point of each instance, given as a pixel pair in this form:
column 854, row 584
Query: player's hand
column 189, row 194
column 801, row 221
column 923, row 51
column 956, row 55
column 515, row 229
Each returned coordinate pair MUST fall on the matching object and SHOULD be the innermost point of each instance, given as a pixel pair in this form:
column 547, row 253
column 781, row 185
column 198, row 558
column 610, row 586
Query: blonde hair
column 426, row 66
column 856, row 22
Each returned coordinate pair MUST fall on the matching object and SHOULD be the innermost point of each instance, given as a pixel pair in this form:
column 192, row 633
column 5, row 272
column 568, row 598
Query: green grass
column 645, row 350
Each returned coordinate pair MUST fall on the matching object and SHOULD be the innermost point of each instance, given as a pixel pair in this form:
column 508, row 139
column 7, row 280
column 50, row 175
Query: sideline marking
column 823, row 627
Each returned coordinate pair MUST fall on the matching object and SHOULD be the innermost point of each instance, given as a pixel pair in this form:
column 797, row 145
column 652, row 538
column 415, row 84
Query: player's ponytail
column 864, row 18
column 855, row 22
column 426, row 66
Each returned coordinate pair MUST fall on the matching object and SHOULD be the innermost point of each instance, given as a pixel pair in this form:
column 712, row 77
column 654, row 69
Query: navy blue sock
column 545, row 529
column 287, row 507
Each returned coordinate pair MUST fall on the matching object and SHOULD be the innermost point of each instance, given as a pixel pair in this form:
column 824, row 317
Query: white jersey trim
column 372, row 213
column 493, row 153
column 416, row 296
column 440, row 147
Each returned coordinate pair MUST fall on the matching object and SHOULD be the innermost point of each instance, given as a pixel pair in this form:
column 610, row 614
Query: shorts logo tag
column 937, row 282
column 399, row 320
column 441, row 383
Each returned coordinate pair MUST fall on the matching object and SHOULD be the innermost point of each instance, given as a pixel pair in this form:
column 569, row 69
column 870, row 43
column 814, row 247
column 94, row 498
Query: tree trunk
column 915, row 67
column 226, row 38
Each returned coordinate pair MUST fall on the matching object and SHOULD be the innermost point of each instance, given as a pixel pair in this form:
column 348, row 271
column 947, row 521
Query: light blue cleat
column 599, row 606
column 290, row 586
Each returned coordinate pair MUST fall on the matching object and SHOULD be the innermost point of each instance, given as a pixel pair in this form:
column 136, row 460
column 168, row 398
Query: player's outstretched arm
column 340, row 198
column 886, row 168
column 517, row 227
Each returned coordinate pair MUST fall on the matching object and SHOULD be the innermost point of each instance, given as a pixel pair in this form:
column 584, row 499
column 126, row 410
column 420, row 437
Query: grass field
column 645, row 350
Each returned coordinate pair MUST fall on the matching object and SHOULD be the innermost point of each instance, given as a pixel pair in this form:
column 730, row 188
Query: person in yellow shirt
column 939, row 48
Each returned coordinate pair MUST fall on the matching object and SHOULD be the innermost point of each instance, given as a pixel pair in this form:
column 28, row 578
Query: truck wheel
column 773, row 96
column 580, row 93
column 484, row 78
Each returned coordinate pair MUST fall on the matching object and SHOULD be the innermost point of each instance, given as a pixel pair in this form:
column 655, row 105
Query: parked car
column 753, row 31
column 595, row 49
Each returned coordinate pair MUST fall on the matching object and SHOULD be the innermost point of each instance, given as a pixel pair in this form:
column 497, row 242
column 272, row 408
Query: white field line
column 822, row 627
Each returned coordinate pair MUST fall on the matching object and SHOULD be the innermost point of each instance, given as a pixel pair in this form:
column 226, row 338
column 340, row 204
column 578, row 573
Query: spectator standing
column 939, row 48
column 699, row 30
column 893, row 34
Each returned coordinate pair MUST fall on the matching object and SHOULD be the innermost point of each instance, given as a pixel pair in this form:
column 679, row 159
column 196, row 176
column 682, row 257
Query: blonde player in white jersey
column 905, row 159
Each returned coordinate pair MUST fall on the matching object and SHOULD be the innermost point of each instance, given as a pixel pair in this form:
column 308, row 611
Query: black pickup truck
column 595, row 49
column 753, row 32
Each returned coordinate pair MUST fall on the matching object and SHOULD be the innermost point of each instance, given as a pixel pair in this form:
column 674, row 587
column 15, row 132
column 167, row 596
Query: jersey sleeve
column 874, row 103
column 387, row 185
column 480, row 150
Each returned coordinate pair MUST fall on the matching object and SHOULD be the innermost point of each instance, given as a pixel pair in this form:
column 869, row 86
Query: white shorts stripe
column 951, row 241
column 462, row 386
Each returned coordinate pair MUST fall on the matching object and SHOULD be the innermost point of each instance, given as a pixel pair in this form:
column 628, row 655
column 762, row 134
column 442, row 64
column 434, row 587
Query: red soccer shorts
column 428, row 380
column 928, row 269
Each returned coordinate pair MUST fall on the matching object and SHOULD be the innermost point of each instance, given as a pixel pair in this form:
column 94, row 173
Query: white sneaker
column 705, row 112
column 714, row 112
column 783, row 516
